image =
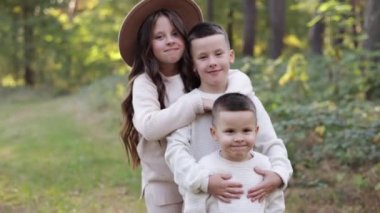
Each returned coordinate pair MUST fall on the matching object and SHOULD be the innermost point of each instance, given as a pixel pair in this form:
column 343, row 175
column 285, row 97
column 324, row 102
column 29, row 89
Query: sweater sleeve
column 239, row 82
column 149, row 117
column 268, row 144
column 275, row 202
column 195, row 202
column 187, row 172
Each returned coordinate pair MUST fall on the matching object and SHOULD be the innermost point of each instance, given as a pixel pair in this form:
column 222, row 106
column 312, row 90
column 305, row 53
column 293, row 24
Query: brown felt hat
column 188, row 11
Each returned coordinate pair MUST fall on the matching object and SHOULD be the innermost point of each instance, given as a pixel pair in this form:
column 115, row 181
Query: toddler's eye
column 229, row 131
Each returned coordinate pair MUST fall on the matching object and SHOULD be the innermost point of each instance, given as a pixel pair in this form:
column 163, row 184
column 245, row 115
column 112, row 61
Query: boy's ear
column 232, row 56
column 213, row 133
column 257, row 129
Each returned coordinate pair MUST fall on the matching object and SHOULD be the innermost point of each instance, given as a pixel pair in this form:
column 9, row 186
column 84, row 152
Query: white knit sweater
column 243, row 173
column 154, row 124
column 188, row 144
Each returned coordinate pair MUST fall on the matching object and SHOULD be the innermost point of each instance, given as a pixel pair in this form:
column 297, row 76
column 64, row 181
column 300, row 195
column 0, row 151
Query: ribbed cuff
column 284, row 175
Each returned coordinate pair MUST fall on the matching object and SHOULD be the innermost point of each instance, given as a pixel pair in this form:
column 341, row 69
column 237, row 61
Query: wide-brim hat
column 187, row 10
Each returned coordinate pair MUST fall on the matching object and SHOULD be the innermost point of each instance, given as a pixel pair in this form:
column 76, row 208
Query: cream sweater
column 241, row 172
column 188, row 144
column 154, row 124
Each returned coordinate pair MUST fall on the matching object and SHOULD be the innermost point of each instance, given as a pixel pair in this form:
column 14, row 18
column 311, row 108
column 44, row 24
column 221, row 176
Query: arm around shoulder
column 239, row 82
column 270, row 145
column 154, row 123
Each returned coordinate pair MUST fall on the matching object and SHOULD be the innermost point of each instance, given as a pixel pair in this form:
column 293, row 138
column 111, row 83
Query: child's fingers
column 259, row 198
column 232, row 195
column 260, row 186
column 223, row 199
column 235, row 191
column 256, row 194
column 231, row 184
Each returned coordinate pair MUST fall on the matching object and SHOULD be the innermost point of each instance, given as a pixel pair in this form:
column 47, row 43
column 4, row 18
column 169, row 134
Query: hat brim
column 188, row 11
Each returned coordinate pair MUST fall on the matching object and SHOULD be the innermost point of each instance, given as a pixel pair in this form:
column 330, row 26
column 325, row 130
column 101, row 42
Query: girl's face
column 167, row 43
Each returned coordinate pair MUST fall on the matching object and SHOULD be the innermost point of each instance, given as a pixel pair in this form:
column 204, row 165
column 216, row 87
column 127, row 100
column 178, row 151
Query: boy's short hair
column 233, row 102
column 205, row 29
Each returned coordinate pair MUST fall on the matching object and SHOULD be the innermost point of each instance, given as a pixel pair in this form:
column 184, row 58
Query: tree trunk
column 371, row 25
column 354, row 28
column 210, row 10
column 277, row 24
column 16, row 66
column 72, row 8
column 230, row 25
column 249, row 27
column 29, row 73
column 316, row 36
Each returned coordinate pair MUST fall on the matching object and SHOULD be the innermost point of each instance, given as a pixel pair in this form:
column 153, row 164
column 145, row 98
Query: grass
column 58, row 157
column 63, row 154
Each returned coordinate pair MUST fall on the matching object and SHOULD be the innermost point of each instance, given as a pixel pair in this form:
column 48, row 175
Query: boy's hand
column 271, row 182
column 220, row 187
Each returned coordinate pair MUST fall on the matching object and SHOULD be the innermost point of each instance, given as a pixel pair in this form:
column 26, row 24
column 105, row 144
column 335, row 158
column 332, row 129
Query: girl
column 160, row 75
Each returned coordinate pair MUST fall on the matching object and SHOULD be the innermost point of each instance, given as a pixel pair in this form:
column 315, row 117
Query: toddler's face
column 212, row 57
column 235, row 132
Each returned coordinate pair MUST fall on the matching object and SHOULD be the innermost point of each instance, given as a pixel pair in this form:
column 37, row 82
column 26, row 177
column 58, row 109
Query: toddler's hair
column 233, row 102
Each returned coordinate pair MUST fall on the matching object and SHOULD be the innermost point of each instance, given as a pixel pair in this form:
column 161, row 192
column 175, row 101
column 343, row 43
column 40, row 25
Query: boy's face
column 235, row 132
column 212, row 58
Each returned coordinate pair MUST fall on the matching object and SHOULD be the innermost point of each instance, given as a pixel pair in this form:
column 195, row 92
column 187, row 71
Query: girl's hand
column 220, row 187
column 271, row 182
column 207, row 104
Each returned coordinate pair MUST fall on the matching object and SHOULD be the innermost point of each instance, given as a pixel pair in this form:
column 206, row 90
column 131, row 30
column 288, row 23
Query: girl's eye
column 175, row 34
column 158, row 37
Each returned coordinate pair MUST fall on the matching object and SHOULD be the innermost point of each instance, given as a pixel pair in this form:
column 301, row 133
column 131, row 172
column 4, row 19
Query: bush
column 320, row 106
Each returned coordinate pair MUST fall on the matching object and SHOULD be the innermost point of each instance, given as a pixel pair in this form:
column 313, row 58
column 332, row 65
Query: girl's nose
column 170, row 40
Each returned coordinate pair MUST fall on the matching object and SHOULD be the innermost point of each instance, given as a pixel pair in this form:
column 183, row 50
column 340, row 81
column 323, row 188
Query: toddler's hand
column 223, row 189
column 271, row 182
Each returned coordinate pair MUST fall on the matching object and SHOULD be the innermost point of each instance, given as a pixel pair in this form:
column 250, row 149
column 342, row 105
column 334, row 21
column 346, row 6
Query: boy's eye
column 219, row 53
column 247, row 130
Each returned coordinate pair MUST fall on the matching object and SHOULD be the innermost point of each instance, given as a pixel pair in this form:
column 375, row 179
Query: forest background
column 313, row 63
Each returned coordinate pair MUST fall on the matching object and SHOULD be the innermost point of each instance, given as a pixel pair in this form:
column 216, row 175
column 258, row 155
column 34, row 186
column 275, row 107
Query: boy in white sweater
column 234, row 129
column 212, row 56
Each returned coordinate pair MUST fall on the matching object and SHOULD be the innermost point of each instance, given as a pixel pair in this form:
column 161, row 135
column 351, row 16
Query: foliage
column 72, row 49
column 318, row 105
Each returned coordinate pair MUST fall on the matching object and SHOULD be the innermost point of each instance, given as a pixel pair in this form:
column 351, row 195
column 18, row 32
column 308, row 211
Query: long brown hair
column 145, row 61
